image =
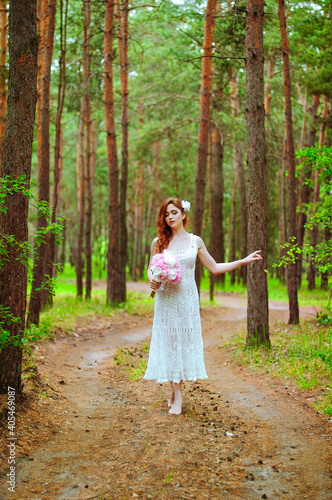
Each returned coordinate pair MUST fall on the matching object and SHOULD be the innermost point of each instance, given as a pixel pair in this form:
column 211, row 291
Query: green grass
column 301, row 354
column 276, row 290
column 66, row 284
column 134, row 362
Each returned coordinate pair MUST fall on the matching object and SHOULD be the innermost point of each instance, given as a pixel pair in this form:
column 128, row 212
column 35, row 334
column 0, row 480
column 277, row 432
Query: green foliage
column 8, row 243
column 318, row 214
column 23, row 339
column 325, row 317
column 6, row 319
column 9, row 186
column 23, row 252
column 291, row 251
column 301, row 354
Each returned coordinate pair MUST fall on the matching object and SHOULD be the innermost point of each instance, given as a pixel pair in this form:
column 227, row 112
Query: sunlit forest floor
column 89, row 427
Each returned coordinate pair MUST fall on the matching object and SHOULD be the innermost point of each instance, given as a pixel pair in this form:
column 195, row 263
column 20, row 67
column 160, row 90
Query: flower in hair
column 186, row 205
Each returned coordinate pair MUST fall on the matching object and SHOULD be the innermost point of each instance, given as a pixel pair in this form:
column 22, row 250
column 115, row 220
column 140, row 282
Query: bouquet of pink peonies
column 165, row 268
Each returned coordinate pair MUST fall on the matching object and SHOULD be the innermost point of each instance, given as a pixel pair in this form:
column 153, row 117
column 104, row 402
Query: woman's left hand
column 154, row 284
column 252, row 257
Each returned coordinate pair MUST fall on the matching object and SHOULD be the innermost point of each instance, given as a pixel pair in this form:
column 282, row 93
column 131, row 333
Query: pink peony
column 165, row 268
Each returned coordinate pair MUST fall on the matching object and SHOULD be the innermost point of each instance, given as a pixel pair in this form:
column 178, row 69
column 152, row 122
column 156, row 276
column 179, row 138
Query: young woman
column 176, row 350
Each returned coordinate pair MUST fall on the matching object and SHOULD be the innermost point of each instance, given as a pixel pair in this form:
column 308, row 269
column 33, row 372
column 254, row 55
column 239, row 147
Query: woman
column 176, row 350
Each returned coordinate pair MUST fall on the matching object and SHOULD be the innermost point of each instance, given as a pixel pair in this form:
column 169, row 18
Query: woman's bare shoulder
column 199, row 241
column 154, row 243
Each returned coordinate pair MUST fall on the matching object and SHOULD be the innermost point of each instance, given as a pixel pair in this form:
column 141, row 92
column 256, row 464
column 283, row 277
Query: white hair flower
column 186, row 205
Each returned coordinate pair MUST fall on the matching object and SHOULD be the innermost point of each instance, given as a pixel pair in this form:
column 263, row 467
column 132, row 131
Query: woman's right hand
column 155, row 285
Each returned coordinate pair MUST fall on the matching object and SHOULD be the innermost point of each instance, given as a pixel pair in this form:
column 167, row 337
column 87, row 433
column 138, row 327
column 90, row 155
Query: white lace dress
column 176, row 350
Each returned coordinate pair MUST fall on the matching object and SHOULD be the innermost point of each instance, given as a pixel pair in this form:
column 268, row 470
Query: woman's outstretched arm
column 219, row 268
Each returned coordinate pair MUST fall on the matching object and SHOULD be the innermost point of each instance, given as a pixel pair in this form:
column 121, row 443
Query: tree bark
column 80, row 168
column 138, row 221
column 63, row 246
column 88, row 150
column 204, row 122
column 58, row 147
column 217, row 200
column 46, row 30
column 138, row 248
column 211, row 215
column 291, row 270
column 283, row 209
column 240, row 173
column 269, row 66
column 3, row 74
column 232, row 249
column 22, row 98
column 122, row 25
column 258, row 311
column 114, row 290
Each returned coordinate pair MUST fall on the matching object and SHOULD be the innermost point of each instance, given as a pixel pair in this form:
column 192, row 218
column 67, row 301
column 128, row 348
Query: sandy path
column 108, row 443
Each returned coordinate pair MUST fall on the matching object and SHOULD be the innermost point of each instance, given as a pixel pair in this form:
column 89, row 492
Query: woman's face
column 173, row 216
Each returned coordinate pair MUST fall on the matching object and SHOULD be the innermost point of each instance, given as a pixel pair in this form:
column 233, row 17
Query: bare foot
column 171, row 399
column 176, row 408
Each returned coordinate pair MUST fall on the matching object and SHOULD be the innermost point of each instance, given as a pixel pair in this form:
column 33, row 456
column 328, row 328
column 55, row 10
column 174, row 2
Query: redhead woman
column 176, row 350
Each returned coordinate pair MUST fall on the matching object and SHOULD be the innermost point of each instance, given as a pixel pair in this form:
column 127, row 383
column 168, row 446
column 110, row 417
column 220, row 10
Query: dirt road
column 239, row 437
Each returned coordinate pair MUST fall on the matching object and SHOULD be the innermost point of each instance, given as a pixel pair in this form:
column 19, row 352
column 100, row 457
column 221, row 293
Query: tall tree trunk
column 283, row 209
column 291, row 270
column 138, row 248
column 204, row 122
column 122, row 25
column 155, row 176
column 138, row 221
column 88, row 149
column 304, row 120
column 238, row 160
column 58, row 160
column 240, row 173
column 211, row 214
column 258, row 310
column 3, row 74
column 305, row 189
column 114, row 289
column 56, row 203
column 314, row 232
column 80, row 169
column 269, row 68
column 47, row 27
column 146, row 238
column 232, row 249
column 216, row 201
column 22, row 98
column 63, row 246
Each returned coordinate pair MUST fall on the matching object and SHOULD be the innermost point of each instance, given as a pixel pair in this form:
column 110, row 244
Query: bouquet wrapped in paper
column 165, row 268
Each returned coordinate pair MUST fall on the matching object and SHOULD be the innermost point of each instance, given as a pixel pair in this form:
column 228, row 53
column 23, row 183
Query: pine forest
column 140, row 102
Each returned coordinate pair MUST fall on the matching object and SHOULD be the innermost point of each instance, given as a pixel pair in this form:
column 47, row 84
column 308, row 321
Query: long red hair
column 164, row 231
